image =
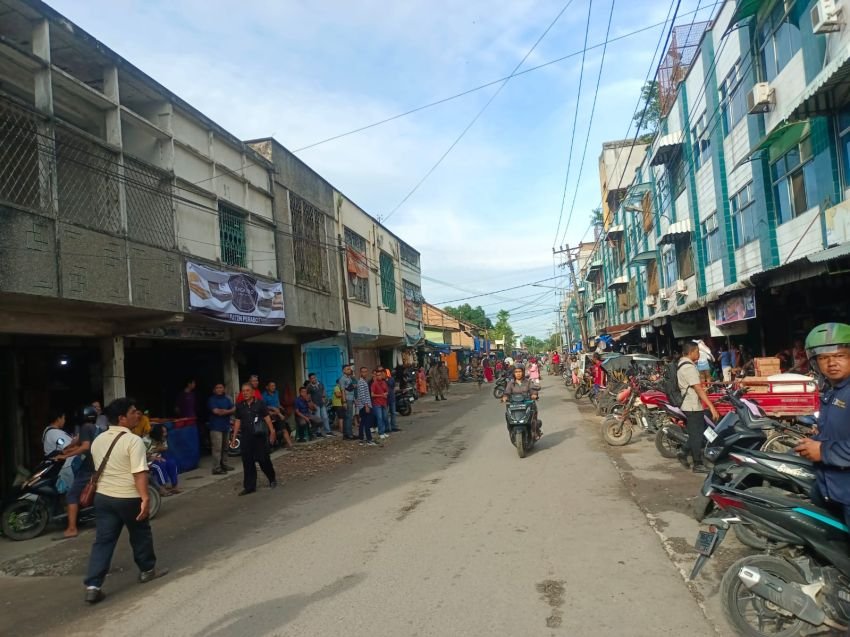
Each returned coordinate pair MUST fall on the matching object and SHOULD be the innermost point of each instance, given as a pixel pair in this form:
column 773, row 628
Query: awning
column 746, row 9
column 614, row 231
column 666, row 148
column 596, row 265
column 828, row 91
column 620, row 280
column 675, row 231
column 781, row 139
column 598, row 301
column 841, row 250
column 644, row 257
column 636, row 192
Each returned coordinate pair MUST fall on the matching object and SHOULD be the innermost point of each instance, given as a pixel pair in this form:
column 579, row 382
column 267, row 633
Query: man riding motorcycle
column 519, row 384
column 828, row 349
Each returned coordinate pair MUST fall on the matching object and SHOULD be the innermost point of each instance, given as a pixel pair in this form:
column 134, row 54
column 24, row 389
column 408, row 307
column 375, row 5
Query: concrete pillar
column 230, row 368
column 112, row 358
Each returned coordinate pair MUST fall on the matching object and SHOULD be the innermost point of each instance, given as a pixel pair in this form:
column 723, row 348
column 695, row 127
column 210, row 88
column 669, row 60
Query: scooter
column 405, row 399
column 520, row 414
column 793, row 594
column 500, row 385
column 36, row 503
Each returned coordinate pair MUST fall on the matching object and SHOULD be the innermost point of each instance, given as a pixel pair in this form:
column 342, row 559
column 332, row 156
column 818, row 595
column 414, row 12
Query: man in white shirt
column 121, row 499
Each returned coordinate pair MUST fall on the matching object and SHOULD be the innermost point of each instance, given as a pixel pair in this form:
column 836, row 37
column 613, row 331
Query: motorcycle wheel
column 581, row 391
column 404, row 409
column 155, row 501
column 781, row 442
column 752, row 615
column 667, row 447
column 25, row 519
column 498, row 391
column 519, row 443
column 617, row 432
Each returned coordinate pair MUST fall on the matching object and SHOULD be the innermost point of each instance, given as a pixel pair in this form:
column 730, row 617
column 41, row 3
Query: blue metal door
column 325, row 362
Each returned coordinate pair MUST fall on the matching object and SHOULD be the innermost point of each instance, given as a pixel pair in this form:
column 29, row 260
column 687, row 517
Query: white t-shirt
column 55, row 439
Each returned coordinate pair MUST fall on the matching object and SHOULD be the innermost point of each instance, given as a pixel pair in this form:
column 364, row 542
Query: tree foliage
column 466, row 312
column 650, row 111
column 503, row 330
column 534, row 345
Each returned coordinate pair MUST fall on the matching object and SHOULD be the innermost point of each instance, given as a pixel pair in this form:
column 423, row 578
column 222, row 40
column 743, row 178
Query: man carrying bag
column 121, row 498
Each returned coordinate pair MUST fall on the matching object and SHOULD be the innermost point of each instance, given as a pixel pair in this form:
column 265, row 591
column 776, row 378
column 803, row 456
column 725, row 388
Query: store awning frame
column 819, row 97
column 599, row 301
column 745, row 9
column 676, row 231
column 780, row 140
column 835, row 252
column 644, row 256
column 666, row 149
column 595, row 265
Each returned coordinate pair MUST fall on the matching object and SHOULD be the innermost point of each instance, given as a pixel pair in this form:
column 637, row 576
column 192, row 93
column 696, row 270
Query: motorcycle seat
column 782, row 457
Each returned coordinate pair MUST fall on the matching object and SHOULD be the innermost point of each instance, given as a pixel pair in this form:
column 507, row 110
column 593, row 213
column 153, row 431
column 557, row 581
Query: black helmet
column 89, row 414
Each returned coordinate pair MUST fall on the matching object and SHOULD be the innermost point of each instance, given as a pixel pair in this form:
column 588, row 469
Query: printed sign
column 234, row 297
column 740, row 307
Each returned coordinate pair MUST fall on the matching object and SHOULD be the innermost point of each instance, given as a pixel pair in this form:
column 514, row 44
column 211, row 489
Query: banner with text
column 234, row 297
column 740, row 307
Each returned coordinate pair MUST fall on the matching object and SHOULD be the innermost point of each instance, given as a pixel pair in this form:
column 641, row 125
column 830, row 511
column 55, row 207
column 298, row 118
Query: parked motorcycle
column 520, row 413
column 798, row 593
column 36, row 503
column 405, row 399
column 639, row 411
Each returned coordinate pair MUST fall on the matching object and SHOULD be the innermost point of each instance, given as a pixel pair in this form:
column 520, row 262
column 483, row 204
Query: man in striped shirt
column 363, row 403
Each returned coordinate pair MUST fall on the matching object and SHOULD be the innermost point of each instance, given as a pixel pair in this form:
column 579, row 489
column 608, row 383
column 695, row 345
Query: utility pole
column 344, row 274
column 582, row 318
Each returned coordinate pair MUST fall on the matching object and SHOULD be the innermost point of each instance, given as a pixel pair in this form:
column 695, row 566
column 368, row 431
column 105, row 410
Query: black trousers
column 255, row 449
column 696, row 428
column 112, row 515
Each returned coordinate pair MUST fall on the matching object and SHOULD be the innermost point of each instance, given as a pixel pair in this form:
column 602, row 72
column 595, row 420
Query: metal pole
column 344, row 275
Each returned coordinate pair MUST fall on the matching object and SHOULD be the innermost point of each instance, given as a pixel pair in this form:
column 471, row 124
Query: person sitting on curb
column 164, row 468
column 306, row 417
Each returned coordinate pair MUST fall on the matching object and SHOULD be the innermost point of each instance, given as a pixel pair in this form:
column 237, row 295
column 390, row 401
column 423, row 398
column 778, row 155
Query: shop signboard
column 738, row 307
column 234, row 297
column 689, row 325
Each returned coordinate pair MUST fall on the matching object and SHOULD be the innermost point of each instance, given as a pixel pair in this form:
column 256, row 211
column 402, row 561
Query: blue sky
column 304, row 71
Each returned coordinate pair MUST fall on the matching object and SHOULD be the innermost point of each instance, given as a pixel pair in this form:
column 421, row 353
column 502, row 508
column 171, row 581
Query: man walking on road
column 121, row 499
column 363, row 403
column 693, row 398
column 258, row 433
column 435, row 379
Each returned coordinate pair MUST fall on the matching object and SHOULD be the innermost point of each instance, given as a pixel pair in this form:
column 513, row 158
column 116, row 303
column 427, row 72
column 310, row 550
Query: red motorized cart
column 779, row 398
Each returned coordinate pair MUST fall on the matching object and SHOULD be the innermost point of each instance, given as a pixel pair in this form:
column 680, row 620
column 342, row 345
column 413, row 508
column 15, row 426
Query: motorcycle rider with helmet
column 519, row 384
column 828, row 350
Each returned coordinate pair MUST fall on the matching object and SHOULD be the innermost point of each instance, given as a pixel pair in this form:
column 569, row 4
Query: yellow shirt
column 128, row 457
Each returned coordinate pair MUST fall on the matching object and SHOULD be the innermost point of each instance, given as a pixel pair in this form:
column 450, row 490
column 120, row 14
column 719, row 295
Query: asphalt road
column 444, row 531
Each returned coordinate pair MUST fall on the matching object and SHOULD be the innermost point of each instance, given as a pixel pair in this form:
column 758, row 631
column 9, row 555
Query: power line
column 589, row 128
column 515, row 287
column 575, row 118
column 479, row 114
column 481, row 86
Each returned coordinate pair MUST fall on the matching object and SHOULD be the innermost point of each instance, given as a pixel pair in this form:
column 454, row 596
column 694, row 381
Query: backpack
column 670, row 382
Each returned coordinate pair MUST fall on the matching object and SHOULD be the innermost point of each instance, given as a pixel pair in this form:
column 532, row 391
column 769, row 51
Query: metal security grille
column 24, row 181
column 87, row 182
column 231, row 225
column 388, row 291
column 358, row 286
column 308, row 230
column 150, row 212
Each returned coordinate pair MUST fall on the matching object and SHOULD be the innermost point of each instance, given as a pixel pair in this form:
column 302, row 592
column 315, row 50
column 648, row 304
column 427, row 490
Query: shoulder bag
column 87, row 495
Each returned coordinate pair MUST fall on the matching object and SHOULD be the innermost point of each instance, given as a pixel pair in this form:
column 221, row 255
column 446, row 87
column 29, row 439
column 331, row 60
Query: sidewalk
column 11, row 551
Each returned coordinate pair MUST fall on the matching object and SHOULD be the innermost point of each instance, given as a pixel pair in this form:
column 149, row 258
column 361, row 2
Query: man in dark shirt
column 220, row 408
column 82, row 447
column 252, row 418
column 306, row 416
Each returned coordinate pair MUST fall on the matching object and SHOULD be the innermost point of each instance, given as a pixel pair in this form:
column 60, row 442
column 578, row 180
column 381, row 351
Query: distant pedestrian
column 435, row 379
column 391, row 402
column 363, row 404
column 252, row 418
column 421, row 382
column 444, row 377
column 380, row 399
column 348, row 385
column 320, row 399
column 121, row 500
column 220, row 408
column 271, row 397
column 186, row 402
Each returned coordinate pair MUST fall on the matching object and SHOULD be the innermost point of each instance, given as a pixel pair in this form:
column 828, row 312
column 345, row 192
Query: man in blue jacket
column 828, row 349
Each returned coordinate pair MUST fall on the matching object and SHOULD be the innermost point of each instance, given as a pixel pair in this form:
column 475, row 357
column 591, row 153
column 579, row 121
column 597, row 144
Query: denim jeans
column 349, row 418
column 380, row 413
column 111, row 516
column 323, row 414
column 365, row 425
column 391, row 416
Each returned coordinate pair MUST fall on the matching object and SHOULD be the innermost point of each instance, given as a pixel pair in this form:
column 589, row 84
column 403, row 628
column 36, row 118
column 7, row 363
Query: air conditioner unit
column 650, row 300
column 681, row 286
column 662, row 295
column 760, row 98
column 824, row 16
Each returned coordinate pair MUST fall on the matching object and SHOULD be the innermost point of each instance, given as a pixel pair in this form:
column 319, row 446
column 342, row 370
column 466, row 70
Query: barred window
column 308, row 230
column 357, row 266
column 408, row 255
column 231, row 227
column 388, row 295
